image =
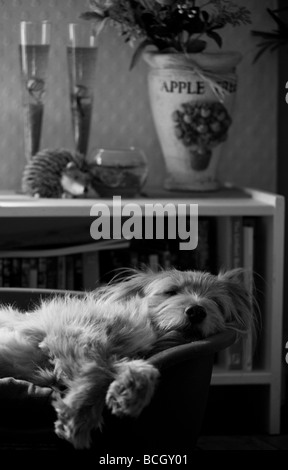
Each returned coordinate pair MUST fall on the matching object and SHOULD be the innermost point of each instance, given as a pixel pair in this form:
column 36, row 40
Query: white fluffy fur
column 91, row 350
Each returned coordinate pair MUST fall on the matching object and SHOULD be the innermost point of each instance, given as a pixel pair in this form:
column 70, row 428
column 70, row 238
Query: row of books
column 67, row 268
column 223, row 242
column 163, row 254
column 83, row 267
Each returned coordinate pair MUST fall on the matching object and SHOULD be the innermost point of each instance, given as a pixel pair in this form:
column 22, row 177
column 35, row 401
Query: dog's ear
column 241, row 300
column 234, row 275
column 236, row 285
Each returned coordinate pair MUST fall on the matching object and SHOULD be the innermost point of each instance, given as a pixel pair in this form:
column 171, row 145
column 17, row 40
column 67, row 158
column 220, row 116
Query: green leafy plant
column 168, row 25
column 274, row 39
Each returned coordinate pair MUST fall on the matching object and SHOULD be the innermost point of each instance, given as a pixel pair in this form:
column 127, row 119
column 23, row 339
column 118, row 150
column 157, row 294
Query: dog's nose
column 196, row 313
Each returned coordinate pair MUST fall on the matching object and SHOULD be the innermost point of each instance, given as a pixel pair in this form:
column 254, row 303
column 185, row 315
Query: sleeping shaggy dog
column 94, row 350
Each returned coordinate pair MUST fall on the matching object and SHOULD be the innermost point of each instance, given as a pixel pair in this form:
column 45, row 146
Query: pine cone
column 42, row 175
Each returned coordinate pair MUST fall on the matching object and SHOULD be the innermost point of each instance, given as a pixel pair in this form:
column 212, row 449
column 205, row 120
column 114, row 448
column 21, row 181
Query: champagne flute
column 81, row 55
column 34, row 54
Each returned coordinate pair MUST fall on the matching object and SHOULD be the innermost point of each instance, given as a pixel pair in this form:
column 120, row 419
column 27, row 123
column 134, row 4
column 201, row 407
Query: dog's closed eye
column 172, row 292
column 220, row 307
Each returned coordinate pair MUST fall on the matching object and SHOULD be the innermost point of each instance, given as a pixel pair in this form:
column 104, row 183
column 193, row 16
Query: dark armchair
column 172, row 420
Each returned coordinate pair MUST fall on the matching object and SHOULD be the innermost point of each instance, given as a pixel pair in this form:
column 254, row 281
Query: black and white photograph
column 143, row 230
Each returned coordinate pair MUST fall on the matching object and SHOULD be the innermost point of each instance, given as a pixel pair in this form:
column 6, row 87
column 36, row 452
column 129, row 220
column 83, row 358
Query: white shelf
column 17, row 205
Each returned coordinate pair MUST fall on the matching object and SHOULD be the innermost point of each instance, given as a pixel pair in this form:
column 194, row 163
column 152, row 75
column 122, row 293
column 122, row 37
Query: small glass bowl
column 118, row 172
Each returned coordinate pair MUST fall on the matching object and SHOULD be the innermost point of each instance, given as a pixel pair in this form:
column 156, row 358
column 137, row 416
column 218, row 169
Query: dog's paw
column 69, row 427
column 133, row 388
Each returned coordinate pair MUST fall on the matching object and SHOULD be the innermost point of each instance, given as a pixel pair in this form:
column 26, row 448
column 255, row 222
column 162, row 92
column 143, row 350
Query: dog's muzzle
column 196, row 314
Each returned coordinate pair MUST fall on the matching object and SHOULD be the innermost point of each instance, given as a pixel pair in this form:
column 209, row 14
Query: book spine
column 166, row 258
column 202, row 252
column 6, row 272
column 224, row 243
column 90, row 270
column 78, row 272
column 229, row 256
column 52, row 273
column 70, row 272
column 67, row 251
column 42, row 273
column 248, row 281
column 25, row 273
column 134, row 261
column 224, row 262
column 15, row 272
column 235, row 352
column 153, row 260
column 237, row 242
column 33, row 273
column 61, row 272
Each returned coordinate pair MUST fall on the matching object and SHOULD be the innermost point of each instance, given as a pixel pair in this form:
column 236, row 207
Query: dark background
column 282, row 188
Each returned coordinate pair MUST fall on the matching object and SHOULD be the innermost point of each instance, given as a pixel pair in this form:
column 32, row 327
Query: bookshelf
column 28, row 223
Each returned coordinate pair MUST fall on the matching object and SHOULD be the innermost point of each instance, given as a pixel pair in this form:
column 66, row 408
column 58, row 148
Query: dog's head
column 197, row 304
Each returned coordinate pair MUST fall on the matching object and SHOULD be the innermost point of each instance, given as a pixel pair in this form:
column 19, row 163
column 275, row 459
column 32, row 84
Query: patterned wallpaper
column 122, row 114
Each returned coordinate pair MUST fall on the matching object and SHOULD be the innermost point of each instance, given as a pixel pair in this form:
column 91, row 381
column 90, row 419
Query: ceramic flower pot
column 191, row 98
